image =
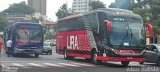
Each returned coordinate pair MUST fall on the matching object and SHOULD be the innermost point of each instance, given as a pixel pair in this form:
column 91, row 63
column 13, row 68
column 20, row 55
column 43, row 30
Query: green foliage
column 148, row 8
column 19, row 8
column 62, row 12
column 96, row 5
column 156, row 26
column 3, row 23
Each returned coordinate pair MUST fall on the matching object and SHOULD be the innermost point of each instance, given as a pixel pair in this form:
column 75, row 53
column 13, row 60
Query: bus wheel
column 94, row 58
column 124, row 64
column 66, row 57
column 36, row 55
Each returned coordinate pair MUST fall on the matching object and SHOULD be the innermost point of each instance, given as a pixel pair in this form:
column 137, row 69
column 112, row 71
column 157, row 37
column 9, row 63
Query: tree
column 62, row 12
column 148, row 8
column 3, row 23
column 19, row 8
column 96, row 5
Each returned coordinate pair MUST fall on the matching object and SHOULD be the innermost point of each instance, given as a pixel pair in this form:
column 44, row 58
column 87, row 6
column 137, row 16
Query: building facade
column 122, row 4
column 38, row 5
column 81, row 6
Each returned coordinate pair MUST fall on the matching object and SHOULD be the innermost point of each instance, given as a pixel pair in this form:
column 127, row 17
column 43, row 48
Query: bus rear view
column 27, row 38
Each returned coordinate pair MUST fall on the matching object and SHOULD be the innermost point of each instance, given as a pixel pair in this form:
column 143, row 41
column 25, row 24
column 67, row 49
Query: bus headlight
column 115, row 51
column 143, row 51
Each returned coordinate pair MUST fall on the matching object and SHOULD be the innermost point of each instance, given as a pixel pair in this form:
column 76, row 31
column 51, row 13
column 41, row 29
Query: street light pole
column 67, row 4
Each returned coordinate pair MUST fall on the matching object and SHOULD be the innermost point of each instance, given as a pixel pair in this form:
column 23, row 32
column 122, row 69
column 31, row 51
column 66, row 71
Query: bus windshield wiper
column 133, row 37
column 130, row 37
column 126, row 36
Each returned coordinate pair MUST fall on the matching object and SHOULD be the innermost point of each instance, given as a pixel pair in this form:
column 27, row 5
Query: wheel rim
column 65, row 54
column 95, row 58
column 125, row 63
column 159, row 62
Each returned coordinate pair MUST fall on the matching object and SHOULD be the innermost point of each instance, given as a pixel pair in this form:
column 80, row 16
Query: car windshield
column 46, row 44
column 127, row 32
column 158, row 47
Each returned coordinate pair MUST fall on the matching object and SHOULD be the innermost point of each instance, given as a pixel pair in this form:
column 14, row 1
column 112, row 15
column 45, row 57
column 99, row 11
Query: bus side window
column 92, row 19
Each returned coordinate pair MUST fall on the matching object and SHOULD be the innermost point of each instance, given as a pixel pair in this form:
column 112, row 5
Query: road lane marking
column 34, row 64
column 25, row 61
column 17, row 64
column 51, row 64
column 82, row 64
column 3, row 65
column 66, row 64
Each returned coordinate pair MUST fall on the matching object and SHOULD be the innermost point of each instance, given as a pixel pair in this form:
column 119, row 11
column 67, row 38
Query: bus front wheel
column 94, row 58
column 124, row 63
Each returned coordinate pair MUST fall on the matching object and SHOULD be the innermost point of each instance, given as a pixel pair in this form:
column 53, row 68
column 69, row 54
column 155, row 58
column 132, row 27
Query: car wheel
column 36, row 55
column 124, row 64
column 50, row 53
column 158, row 62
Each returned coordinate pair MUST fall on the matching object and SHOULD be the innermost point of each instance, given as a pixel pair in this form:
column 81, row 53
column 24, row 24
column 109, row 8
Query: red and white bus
column 102, row 35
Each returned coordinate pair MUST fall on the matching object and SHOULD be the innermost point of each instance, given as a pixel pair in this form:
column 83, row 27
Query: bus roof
column 109, row 11
column 71, row 16
column 116, row 12
column 21, row 23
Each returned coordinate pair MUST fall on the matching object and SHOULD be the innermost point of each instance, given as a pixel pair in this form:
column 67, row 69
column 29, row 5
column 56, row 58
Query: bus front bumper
column 119, row 59
column 28, row 51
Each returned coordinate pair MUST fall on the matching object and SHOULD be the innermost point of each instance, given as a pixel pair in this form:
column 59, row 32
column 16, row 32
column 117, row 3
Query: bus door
column 102, row 40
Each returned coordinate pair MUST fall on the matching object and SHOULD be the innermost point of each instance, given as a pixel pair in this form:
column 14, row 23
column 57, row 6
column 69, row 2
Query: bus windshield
column 28, row 36
column 127, row 32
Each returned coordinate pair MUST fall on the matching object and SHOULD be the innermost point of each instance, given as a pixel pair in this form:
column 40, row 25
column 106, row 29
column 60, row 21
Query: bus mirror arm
column 109, row 25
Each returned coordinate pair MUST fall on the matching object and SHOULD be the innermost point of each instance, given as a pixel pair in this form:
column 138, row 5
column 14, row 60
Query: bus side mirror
column 150, row 28
column 108, row 24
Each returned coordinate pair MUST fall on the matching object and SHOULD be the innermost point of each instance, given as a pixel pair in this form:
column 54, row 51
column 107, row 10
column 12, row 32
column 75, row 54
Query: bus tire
column 125, row 63
column 66, row 57
column 94, row 58
column 36, row 55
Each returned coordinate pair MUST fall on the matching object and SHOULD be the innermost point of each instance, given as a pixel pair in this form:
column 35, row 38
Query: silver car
column 47, row 48
column 152, row 54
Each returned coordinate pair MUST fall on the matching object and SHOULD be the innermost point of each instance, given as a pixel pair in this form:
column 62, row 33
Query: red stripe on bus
column 120, row 59
column 79, row 55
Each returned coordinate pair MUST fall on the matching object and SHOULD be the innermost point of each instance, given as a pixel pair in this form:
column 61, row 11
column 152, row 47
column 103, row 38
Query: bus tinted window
column 28, row 34
column 70, row 25
column 93, row 21
column 127, row 30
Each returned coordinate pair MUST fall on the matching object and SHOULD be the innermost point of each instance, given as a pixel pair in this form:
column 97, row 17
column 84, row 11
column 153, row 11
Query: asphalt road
column 56, row 63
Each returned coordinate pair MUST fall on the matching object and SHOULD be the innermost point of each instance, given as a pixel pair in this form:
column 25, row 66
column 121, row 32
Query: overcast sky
column 52, row 5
